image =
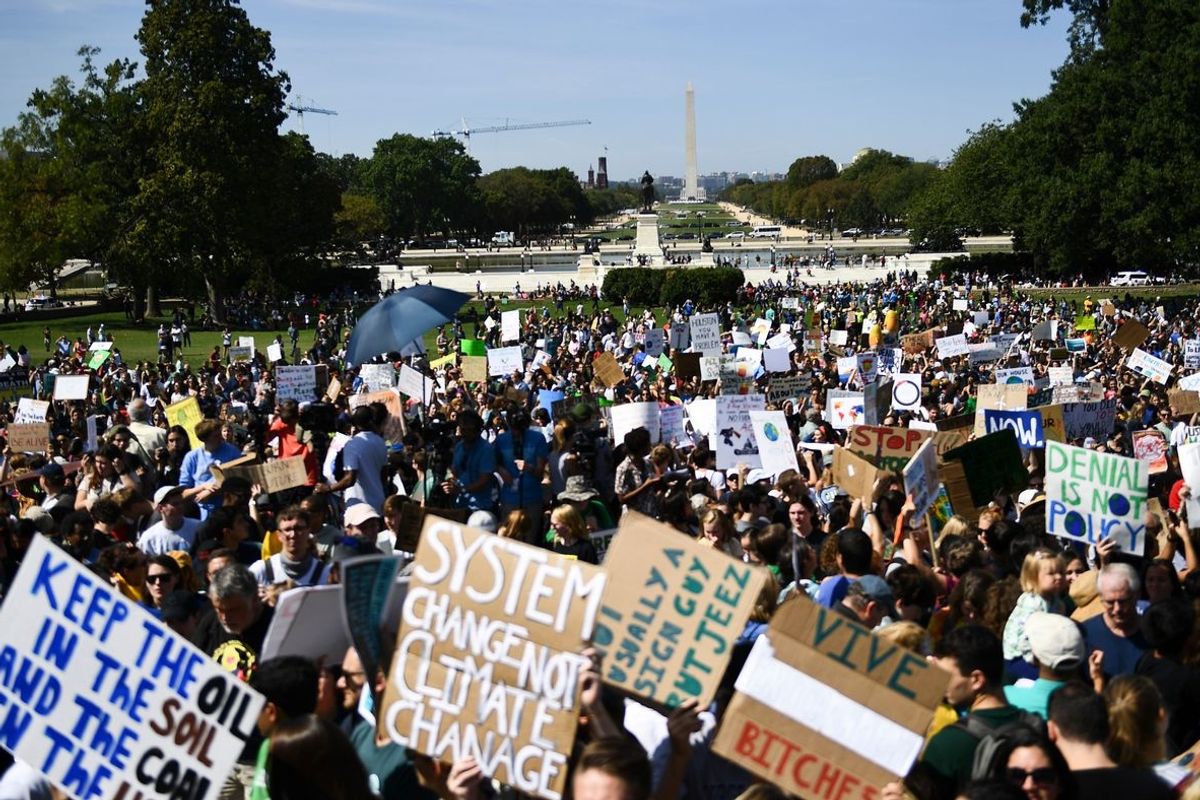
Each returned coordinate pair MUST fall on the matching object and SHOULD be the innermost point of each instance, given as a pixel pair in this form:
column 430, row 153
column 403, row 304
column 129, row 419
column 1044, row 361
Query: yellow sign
column 186, row 413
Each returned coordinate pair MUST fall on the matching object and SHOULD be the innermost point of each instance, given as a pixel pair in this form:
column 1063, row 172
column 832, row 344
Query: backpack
column 991, row 740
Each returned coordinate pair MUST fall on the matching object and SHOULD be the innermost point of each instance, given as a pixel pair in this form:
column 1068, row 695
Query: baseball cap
column 756, row 475
column 165, row 492
column 52, row 471
column 1055, row 641
column 359, row 513
column 876, row 588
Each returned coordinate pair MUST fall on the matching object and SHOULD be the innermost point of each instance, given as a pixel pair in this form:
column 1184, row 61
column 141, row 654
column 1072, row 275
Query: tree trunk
column 152, row 305
column 216, row 307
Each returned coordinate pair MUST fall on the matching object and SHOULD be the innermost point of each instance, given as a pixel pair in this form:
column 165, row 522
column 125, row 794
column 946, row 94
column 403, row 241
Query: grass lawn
column 140, row 343
column 680, row 218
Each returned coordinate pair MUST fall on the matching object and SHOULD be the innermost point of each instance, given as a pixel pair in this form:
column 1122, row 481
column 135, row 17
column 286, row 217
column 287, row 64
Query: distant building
column 602, row 173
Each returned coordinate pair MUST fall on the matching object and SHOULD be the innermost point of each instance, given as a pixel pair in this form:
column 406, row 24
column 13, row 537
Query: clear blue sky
column 774, row 80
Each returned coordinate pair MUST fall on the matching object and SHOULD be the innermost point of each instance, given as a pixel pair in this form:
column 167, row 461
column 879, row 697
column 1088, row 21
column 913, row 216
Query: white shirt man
column 174, row 531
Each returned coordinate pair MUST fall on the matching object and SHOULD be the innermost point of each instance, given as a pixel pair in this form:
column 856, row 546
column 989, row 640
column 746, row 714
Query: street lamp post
column 829, row 216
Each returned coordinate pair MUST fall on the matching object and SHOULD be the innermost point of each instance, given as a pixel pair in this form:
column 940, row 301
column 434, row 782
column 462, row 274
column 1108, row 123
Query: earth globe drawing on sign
column 771, row 432
column 1013, row 379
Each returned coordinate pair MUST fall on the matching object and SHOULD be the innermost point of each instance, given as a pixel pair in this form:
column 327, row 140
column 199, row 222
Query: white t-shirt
column 159, row 540
column 367, row 455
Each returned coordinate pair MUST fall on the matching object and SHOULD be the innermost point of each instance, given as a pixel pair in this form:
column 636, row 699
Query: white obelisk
column 691, row 178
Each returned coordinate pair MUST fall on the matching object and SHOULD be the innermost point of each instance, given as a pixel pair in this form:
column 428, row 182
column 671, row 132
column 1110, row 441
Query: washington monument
column 691, row 178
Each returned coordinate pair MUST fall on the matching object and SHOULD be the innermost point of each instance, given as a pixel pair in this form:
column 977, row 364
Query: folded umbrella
column 402, row 318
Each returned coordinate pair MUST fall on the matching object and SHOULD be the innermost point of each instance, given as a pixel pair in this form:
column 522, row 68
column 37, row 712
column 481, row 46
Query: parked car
column 1131, row 278
column 40, row 302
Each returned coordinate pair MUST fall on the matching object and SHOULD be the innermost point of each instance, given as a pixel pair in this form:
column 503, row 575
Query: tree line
column 175, row 176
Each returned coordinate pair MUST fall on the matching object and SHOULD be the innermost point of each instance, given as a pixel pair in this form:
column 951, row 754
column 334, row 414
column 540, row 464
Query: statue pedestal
column 588, row 270
column 648, row 243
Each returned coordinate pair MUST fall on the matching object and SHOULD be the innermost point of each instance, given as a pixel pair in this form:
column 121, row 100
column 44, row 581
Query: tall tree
column 212, row 106
column 423, row 185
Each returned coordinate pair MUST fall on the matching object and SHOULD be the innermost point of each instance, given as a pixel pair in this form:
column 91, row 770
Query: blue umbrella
column 401, row 318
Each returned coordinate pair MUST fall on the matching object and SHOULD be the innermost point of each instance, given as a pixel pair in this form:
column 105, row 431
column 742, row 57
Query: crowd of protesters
column 1074, row 671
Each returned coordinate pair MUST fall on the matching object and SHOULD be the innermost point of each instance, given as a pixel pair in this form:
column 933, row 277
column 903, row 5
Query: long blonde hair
column 567, row 515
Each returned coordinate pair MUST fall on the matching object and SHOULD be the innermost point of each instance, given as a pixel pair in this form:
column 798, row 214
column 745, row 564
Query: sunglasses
column 1042, row 776
column 161, row 577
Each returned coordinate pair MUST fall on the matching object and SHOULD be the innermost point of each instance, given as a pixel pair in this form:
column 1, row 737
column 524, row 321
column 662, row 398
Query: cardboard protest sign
column 916, row 343
column 186, row 413
column 672, row 610
column 71, row 387
column 607, row 370
column 333, row 390
column 504, row 361
column 307, row 622
column 1149, row 366
column 1005, row 397
column 394, row 428
column 1015, row 375
column 920, row 478
column 105, row 700
column 475, row 369
column 273, row 476
column 1053, row 426
column 28, row 437
column 1092, row 496
column 1150, row 446
column 452, row 693
column 887, row 448
column 774, row 440
column 844, row 409
column 1095, row 419
column 1130, row 334
column 1027, row 425
column 630, row 416
column 853, row 473
column 735, row 443
column 706, row 334
column 1184, row 401
column 297, row 383
column 824, row 708
column 944, row 441
column 991, row 464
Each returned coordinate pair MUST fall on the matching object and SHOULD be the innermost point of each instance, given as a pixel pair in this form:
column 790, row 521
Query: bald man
column 150, row 437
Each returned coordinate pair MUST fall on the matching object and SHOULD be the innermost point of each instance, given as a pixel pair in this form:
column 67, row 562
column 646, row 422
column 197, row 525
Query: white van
column 1131, row 278
column 766, row 232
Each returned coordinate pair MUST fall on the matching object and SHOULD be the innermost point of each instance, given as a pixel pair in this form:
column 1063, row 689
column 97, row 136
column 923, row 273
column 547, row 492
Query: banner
column 673, row 609
column 508, row 698
column 706, row 334
column 1027, row 425
column 774, row 440
column 1092, row 496
column 105, row 700
column 296, row 383
column 735, row 442
column 824, row 708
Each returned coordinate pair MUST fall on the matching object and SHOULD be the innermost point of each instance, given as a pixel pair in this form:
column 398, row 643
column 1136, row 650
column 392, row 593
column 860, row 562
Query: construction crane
column 301, row 109
column 466, row 131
